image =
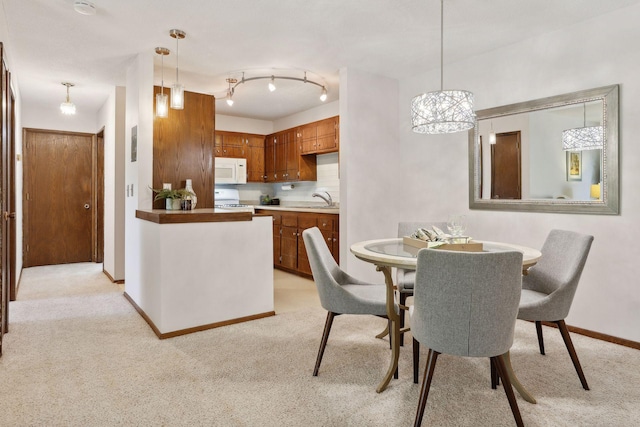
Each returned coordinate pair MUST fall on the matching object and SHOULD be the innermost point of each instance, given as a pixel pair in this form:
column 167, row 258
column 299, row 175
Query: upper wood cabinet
column 320, row 137
column 243, row 146
column 283, row 162
column 183, row 147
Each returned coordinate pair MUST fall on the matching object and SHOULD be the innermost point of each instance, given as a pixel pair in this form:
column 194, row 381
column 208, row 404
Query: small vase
column 168, row 204
column 177, row 204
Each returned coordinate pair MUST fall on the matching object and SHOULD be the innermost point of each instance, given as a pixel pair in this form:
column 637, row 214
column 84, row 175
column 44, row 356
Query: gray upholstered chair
column 549, row 286
column 406, row 278
column 465, row 304
column 339, row 293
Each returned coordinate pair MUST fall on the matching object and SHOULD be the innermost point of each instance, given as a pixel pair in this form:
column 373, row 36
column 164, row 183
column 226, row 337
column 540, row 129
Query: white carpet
column 79, row 355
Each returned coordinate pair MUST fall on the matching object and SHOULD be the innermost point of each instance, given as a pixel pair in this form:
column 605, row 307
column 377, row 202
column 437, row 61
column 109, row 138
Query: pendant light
column 177, row 90
column 584, row 138
column 443, row 111
column 230, row 91
column 162, row 100
column 68, row 108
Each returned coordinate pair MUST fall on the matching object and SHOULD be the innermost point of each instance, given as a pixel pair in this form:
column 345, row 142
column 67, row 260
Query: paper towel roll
column 287, row 187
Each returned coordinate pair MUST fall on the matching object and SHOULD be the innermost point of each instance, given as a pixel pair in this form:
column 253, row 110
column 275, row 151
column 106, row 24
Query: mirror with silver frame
column 517, row 161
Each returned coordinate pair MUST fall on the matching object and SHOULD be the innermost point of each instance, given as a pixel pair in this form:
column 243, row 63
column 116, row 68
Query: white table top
column 394, row 253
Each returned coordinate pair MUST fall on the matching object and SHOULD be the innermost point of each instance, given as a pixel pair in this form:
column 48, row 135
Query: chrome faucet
column 326, row 199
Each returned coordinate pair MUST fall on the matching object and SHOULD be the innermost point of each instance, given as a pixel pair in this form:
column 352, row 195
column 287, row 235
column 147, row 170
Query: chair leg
column 323, row 342
column 540, row 338
column 572, row 352
column 403, row 301
column 432, row 357
column 416, row 360
column 494, row 375
column 498, row 361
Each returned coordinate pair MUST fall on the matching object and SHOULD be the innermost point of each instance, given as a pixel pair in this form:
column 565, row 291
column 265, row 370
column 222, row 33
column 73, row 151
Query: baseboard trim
column 173, row 334
column 106, row 273
column 599, row 336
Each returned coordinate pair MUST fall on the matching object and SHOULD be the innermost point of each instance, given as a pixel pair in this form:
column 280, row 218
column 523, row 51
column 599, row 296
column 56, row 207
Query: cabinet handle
column 335, row 240
column 295, row 234
column 328, row 239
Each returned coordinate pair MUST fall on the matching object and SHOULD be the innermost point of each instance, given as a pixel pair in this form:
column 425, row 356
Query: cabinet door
column 281, row 156
column 218, row 144
column 254, row 151
column 292, row 155
column 289, row 247
column 309, row 138
column 332, row 240
column 303, row 259
column 270, row 158
column 327, row 135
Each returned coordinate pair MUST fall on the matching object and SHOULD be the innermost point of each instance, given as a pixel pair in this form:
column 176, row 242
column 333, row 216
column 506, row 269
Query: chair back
column 465, row 303
column 406, row 228
column 330, row 278
column 558, row 271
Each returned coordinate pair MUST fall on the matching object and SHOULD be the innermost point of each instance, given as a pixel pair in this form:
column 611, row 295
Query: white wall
column 371, row 175
column 111, row 117
column 322, row 111
column 38, row 117
column 138, row 174
column 596, row 53
column 241, row 124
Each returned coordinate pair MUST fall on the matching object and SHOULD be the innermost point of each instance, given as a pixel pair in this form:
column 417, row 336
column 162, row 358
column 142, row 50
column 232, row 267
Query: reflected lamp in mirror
column 528, row 156
column 583, row 138
column 595, row 191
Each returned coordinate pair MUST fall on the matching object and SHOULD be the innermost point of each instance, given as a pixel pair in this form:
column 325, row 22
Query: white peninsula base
column 200, row 275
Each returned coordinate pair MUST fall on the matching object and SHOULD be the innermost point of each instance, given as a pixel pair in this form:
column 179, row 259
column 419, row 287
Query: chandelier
column 584, row 138
column 443, row 111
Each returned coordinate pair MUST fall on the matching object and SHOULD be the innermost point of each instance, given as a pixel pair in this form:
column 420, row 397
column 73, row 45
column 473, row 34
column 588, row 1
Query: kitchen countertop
column 300, row 207
column 161, row 216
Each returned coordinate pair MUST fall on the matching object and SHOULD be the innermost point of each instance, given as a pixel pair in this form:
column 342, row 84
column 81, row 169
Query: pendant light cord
column 177, row 60
column 441, row 45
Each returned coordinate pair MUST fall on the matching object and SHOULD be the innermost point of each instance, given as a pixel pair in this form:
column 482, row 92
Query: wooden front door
column 505, row 166
column 58, row 197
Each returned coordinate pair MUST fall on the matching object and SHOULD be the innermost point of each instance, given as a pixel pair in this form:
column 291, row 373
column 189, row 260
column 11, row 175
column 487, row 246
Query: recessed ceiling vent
column 84, row 7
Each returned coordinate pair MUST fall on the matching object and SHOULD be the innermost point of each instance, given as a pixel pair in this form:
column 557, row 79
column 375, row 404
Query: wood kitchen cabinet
column 289, row 251
column 184, row 147
column 320, row 137
column 283, row 162
column 243, row 146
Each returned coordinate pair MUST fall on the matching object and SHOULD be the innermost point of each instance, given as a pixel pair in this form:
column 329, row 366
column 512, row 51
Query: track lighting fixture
column 234, row 83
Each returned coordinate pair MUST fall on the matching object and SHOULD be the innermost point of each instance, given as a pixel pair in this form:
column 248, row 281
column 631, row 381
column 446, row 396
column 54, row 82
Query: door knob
column 86, row 206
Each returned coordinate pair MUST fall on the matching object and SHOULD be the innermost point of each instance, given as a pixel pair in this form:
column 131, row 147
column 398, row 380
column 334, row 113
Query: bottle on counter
column 193, row 197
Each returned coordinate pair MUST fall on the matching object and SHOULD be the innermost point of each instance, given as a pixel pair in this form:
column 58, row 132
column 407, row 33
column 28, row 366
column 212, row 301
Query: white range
column 228, row 199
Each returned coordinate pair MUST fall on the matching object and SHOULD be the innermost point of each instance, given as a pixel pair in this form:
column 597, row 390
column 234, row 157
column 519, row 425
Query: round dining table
column 386, row 254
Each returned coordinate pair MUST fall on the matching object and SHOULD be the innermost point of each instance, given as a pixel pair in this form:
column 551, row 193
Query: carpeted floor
column 79, row 355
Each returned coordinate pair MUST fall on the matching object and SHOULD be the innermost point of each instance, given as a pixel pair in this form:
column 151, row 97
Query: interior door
column 58, row 197
column 505, row 166
column 4, row 143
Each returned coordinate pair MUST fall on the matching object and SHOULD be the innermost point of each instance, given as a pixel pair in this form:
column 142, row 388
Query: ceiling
column 50, row 43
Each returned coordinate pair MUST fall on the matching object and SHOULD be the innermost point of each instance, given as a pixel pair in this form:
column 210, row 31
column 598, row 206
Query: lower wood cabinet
column 289, row 252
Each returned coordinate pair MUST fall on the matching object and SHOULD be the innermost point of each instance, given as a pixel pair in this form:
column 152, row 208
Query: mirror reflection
column 556, row 154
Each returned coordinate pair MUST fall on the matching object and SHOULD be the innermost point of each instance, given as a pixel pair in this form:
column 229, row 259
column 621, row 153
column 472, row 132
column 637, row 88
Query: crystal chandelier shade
column 585, row 138
column 444, row 111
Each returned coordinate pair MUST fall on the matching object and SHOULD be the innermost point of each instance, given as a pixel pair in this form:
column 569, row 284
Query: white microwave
column 230, row 171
